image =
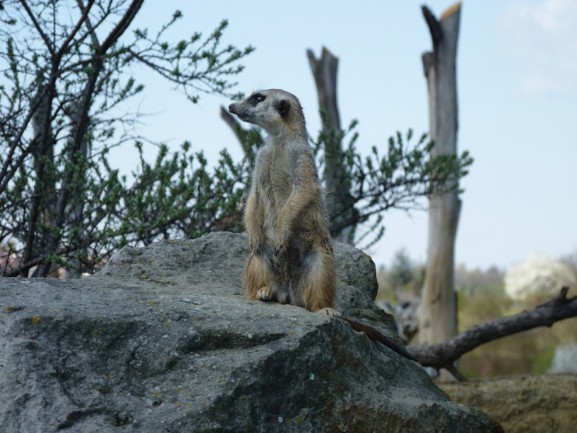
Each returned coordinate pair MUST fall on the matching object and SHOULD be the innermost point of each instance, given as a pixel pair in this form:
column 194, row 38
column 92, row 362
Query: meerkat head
column 276, row 111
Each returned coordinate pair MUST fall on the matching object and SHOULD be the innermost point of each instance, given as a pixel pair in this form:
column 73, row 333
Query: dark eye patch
column 256, row 98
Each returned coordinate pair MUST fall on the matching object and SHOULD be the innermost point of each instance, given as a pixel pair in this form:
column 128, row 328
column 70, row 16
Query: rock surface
column 162, row 340
column 524, row 404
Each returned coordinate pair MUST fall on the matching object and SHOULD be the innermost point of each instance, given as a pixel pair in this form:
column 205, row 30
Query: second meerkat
column 291, row 259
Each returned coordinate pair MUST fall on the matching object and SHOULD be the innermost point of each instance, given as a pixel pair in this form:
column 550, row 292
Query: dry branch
column 444, row 355
column 234, row 125
column 241, row 134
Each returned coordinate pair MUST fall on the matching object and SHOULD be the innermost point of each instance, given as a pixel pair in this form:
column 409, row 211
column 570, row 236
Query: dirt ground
column 523, row 404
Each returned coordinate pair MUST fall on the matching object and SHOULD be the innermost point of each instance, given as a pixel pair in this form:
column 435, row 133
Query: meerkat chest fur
column 279, row 174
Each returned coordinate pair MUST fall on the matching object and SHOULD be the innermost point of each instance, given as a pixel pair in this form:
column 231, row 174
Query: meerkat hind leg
column 317, row 286
column 260, row 283
column 255, row 278
column 267, row 293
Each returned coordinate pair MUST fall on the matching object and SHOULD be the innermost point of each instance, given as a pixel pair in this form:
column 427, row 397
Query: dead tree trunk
column 337, row 182
column 437, row 312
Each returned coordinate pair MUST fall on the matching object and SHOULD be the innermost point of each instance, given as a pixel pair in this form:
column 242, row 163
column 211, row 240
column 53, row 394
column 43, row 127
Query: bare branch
column 122, row 25
column 58, row 56
column 25, row 267
column 444, row 355
column 238, row 130
column 249, row 139
column 37, row 26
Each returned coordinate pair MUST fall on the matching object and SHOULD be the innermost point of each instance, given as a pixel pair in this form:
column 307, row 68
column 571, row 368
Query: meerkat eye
column 256, row 98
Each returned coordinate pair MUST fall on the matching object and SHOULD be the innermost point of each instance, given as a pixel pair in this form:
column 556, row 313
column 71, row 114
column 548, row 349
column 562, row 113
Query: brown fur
column 291, row 259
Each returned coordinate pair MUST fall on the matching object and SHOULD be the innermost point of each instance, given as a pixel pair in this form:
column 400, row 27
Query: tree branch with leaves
column 60, row 90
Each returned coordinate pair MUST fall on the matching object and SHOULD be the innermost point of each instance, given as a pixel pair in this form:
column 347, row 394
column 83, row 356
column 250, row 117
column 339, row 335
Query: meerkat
column 291, row 259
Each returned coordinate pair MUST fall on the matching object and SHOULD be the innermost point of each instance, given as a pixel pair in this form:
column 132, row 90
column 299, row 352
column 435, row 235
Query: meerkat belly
column 277, row 190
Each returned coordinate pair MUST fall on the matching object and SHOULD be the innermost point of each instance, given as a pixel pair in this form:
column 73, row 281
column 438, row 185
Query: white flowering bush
column 538, row 275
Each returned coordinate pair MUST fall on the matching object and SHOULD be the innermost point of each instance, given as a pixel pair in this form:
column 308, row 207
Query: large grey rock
column 164, row 341
column 213, row 265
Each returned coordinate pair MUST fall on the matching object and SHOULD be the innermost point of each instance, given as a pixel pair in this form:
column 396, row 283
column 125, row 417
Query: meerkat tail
column 375, row 335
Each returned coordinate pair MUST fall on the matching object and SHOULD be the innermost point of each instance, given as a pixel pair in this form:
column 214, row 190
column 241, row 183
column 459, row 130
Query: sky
column 517, row 92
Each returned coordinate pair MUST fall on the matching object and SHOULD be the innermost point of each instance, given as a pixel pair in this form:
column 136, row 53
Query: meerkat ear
column 283, row 108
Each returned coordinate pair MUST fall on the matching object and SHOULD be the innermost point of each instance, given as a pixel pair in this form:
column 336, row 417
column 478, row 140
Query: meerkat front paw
column 281, row 242
column 328, row 310
column 280, row 250
column 264, row 294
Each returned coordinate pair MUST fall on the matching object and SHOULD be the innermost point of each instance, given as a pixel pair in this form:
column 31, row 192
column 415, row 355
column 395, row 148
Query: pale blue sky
column 517, row 84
